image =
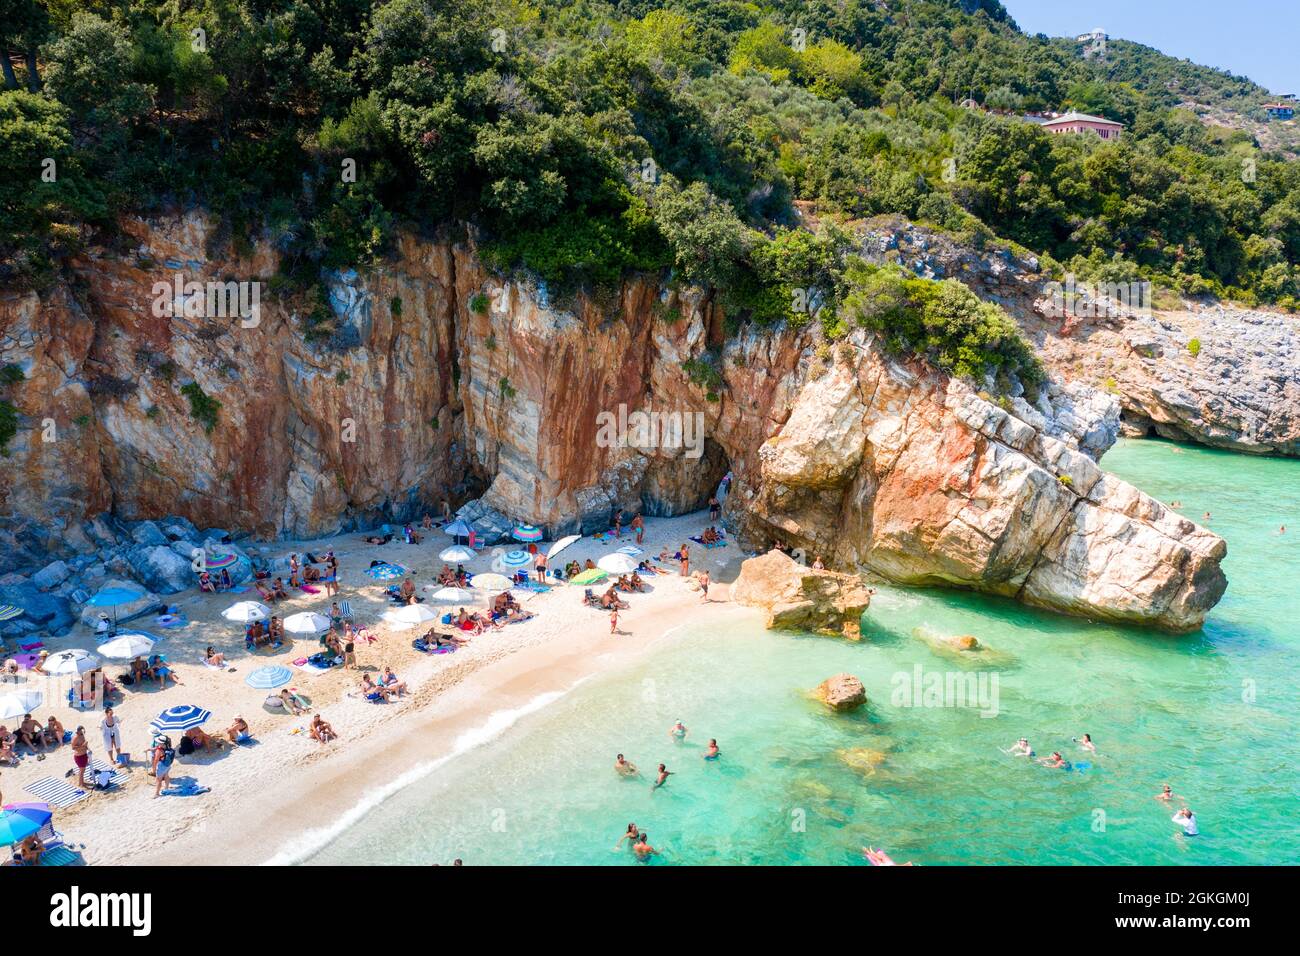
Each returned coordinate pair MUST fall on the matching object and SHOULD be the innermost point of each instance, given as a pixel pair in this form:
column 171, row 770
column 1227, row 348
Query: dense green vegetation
column 584, row 139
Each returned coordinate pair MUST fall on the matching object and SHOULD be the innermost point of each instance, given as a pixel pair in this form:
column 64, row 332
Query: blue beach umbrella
column 114, row 597
column 264, row 678
column 458, row 527
column 180, row 718
column 526, row 532
column 516, row 559
column 18, row 821
column 386, row 572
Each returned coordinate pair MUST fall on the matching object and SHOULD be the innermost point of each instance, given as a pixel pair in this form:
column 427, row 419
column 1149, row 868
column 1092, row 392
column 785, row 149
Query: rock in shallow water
column 842, row 693
column 798, row 598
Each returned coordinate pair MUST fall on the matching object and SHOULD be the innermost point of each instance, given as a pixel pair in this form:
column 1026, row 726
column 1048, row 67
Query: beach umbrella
column 526, row 532
column 617, row 563
column 458, row 527
column 386, row 572
column 490, row 582
column 452, row 595
column 246, row 611
column 126, row 646
column 264, row 678
column 19, row 702
column 590, row 576
column 458, row 553
column 114, row 597
column 10, row 611
column 218, row 561
column 306, row 622
column 516, row 559
column 75, row 661
column 563, row 543
column 410, row 616
column 18, row 821
column 182, row 718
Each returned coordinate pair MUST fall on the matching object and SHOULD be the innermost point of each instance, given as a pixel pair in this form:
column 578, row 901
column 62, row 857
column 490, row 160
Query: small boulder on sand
column 842, row 693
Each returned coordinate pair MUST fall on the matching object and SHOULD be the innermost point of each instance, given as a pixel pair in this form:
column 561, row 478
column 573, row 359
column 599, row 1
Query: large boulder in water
column 798, row 598
column 841, row 693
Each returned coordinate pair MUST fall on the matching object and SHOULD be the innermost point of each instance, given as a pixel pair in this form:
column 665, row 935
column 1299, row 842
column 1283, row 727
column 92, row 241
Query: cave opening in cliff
column 675, row 486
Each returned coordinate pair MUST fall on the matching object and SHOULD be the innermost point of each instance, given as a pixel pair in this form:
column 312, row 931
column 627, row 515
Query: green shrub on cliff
column 8, row 424
column 942, row 321
column 204, row 409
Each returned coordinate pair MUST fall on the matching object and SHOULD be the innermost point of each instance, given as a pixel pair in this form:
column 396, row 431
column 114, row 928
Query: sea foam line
column 313, row 841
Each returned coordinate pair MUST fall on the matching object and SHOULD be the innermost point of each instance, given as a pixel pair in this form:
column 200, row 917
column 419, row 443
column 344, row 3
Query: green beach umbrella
column 590, row 576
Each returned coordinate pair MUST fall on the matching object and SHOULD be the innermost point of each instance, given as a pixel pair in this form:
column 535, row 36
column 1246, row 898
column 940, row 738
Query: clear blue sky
column 1254, row 38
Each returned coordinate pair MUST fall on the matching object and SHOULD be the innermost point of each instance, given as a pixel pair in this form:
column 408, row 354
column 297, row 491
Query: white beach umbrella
column 19, row 702
column 246, row 611
column 458, row 553
column 126, row 646
column 75, row 661
column 563, row 543
column 516, row 559
column 306, row 622
column 410, row 616
column 490, row 582
column 617, row 563
column 452, row 595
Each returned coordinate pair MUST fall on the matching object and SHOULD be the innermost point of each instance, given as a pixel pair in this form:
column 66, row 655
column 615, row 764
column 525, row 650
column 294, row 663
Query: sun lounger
column 59, row 856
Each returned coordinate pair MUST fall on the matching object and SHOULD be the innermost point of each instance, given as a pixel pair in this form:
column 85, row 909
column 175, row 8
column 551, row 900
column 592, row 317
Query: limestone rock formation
column 841, row 693
column 799, row 598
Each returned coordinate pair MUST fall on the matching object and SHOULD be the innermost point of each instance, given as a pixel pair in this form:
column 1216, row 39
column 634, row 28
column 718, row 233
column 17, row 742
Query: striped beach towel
column 57, row 793
column 59, row 856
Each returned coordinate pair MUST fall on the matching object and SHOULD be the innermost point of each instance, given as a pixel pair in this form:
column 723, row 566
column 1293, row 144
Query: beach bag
column 187, row 747
column 103, row 779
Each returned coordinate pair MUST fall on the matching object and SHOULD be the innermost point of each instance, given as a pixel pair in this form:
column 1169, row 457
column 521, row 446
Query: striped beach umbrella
column 590, row 576
column 216, row 562
column 264, row 678
column 526, row 532
column 516, row 559
column 182, row 717
column 457, row 553
column 9, row 611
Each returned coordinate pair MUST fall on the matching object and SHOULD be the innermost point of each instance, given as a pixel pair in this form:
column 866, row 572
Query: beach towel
column 309, row 589
column 58, row 856
column 57, row 793
column 533, row 586
column 172, row 620
column 188, row 790
column 31, row 645
column 630, row 549
column 716, row 544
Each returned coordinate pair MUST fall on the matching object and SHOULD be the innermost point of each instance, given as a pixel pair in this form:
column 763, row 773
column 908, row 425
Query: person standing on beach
column 639, row 527
column 704, row 586
column 662, row 777
column 540, row 563
column 613, row 620
column 686, row 560
column 714, row 508
column 618, row 523
column 163, row 755
column 80, row 755
column 112, row 729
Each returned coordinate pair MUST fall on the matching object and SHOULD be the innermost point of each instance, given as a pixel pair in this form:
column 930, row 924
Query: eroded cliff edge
column 441, row 381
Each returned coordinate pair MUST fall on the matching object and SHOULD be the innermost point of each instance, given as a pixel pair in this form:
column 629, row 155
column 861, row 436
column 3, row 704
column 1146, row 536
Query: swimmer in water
column 643, row 849
column 1282, row 530
column 625, row 768
column 1167, row 794
column 678, row 731
column 712, row 752
column 662, row 777
column 1055, row 761
column 632, row 835
column 1187, row 820
column 1021, row 748
column 1086, row 743
column 1206, row 517
column 880, row 857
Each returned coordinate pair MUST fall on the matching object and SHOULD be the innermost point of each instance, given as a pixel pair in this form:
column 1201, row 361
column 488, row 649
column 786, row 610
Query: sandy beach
column 282, row 797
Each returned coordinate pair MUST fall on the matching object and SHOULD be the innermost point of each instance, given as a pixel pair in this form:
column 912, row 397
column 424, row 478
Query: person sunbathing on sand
column 200, row 738
column 213, row 658
column 321, row 730
column 237, row 729
column 372, row 691
column 392, row 682
column 292, row 703
column 277, row 590
column 408, row 592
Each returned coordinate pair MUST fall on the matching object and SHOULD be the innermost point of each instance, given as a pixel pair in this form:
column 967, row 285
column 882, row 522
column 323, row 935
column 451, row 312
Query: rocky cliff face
column 442, row 382
column 1218, row 376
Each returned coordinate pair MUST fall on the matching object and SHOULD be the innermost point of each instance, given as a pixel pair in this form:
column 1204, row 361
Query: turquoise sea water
column 1214, row 714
